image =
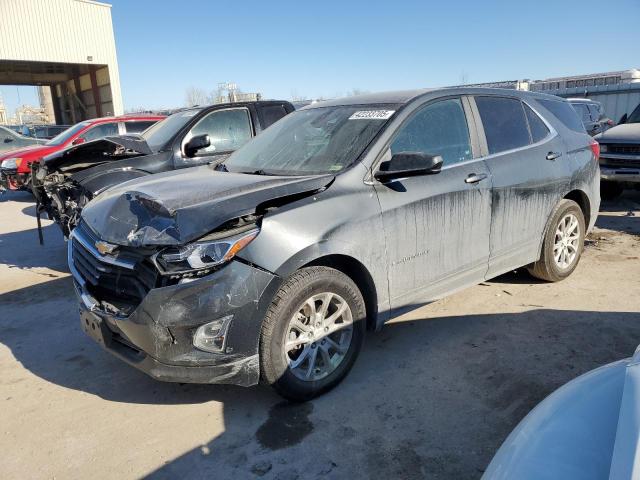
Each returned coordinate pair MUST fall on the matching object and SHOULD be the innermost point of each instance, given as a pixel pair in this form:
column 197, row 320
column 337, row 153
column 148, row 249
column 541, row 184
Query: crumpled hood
column 177, row 207
column 625, row 133
column 101, row 147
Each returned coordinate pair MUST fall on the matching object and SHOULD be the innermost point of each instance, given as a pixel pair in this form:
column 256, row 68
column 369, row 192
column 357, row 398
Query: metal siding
column 63, row 31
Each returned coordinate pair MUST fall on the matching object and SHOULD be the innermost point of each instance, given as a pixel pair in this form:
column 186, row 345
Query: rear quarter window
column 565, row 113
column 504, row 123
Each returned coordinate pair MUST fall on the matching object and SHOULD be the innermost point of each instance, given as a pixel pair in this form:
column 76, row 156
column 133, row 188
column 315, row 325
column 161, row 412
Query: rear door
column 529, row 168
column 437, row 226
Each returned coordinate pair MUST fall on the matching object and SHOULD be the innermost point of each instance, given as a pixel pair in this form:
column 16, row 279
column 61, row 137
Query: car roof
column 403, row 97
column 124, row 118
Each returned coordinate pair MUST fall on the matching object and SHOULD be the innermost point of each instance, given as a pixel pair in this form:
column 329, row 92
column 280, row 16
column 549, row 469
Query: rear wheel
column 312, row 333
column 562, row 244
column 610, row 190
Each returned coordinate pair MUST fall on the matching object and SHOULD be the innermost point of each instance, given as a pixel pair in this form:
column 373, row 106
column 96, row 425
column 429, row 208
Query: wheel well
column 361, row 277
column 582, row 200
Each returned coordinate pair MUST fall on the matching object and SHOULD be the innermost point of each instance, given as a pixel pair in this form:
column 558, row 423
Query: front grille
column 121, row 281
column 620, row 162
column 624, row 149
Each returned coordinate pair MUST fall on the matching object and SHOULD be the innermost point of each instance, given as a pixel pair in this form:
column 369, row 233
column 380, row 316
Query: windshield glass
column 67, row 134
column 316, row 141
column 635, row 116
column 159, row 134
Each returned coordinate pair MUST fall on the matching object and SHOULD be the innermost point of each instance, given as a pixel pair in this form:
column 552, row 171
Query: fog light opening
column 212, row 336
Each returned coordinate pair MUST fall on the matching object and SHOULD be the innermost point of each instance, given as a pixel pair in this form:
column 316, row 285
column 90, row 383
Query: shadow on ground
column 621, row 214
column 430, row 398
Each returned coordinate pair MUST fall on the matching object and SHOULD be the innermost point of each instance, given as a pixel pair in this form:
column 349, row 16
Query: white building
column 67, row 46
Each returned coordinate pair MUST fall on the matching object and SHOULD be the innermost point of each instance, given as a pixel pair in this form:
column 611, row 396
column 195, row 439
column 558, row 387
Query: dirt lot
column 432, row 396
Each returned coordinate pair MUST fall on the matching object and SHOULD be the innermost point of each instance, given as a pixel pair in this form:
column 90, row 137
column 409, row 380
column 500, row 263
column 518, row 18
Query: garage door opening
column 69, row 93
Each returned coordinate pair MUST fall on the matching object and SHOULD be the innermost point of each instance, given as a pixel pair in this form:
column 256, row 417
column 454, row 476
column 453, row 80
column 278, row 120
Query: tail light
column 595, row 148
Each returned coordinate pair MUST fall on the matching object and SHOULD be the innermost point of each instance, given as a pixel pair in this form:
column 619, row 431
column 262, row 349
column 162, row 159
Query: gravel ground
column 432, row 396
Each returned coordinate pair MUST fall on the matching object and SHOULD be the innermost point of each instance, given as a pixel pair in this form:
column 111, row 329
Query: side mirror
column 78, row 141
column 623, row 119
column 8, row 140
column 409, row 164
column 196, row 143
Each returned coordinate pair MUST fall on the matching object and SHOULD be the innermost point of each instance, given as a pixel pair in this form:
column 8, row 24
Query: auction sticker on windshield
column 372, row 115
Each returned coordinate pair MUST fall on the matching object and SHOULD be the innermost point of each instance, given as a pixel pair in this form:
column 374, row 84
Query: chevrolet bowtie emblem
column 105, row 248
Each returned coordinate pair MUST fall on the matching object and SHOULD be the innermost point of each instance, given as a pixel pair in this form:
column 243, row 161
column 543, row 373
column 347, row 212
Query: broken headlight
column 202, row 256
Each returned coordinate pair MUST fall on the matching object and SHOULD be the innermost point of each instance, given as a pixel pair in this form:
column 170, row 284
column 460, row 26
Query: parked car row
column 70, row 177
column 15, row 165
column 11, row 140
column 269, row 263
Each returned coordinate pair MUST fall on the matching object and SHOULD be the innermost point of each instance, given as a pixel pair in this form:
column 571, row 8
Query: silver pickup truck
column 620, row 156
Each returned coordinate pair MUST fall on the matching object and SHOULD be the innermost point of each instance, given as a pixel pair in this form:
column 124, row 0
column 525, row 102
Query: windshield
column 67, row 134
column 316, row 141
column 635, row 116
column 159, row 134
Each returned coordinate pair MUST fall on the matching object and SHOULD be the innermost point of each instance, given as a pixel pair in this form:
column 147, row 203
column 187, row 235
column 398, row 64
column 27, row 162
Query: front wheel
column 562, row 244
column 312, row 333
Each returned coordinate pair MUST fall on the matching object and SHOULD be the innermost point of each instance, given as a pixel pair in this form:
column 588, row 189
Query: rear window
column 504, row 122
column 564, row 112
column 138, row 126
column 271, row 114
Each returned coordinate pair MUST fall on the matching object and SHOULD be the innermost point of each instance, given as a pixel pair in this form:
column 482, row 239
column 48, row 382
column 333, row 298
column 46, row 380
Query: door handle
column 553, row 155
column 475, row 177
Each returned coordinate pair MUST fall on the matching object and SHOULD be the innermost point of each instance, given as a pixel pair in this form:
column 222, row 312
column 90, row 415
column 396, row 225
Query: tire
column 279, row 325
column 547, row 267
column 610, row 190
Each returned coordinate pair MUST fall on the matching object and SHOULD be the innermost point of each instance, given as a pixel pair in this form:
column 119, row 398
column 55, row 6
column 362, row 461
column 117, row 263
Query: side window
column 227, row 129
column 565, row 113
column 437, row 129
column 100, row 131
column 503, row 119
column 137, row 126
column 271, row 114
column 537, row 127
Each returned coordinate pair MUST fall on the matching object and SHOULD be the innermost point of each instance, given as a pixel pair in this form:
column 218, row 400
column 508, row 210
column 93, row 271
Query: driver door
column 228, row 130
column 437, row 226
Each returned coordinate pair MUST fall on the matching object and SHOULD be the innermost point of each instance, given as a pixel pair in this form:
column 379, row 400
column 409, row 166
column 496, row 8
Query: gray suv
column 271, row 264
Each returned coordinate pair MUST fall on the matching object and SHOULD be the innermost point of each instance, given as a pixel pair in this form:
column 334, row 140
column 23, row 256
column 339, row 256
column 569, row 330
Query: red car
column 15, row 165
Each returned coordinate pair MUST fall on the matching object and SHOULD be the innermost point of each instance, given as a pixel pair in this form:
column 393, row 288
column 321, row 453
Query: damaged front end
column 159, row 283
column 58, row 196
column 58, row 192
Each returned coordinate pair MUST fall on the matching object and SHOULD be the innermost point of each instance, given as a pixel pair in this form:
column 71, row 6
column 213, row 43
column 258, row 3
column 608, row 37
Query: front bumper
column 620, row 168
column 157, row 337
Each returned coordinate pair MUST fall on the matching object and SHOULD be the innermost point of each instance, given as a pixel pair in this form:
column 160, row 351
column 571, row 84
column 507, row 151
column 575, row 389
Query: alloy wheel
column 318, row 336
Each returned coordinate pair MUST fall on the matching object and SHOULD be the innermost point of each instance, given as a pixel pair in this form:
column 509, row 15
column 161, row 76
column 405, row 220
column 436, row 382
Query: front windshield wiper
column 220, row 167
column 258, row 172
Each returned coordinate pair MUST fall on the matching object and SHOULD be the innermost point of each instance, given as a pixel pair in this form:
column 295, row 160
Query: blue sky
column 328, row 48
